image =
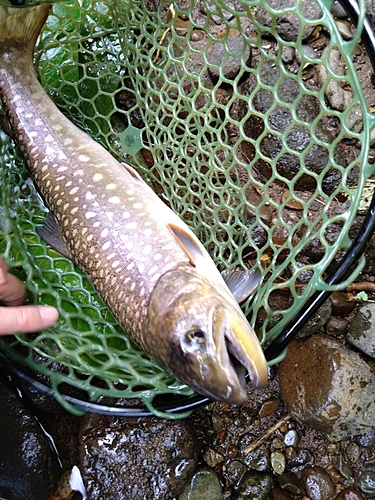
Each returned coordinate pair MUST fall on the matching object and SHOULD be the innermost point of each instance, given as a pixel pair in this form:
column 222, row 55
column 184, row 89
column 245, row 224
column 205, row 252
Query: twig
column 266, row 435
column 362, row 286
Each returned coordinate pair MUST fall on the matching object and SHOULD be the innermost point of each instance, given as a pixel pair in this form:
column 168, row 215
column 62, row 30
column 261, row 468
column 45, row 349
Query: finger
column 26, row 319
column 12, row 290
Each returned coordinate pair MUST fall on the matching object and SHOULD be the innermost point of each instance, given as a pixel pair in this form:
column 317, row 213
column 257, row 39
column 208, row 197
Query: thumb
column 26, row 319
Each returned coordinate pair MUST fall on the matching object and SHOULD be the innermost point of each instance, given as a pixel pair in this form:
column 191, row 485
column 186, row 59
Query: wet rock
column 367, row 439
column 349, row 494
column 146, row 458
column 342, row 303
column 317, row 321
column 336, row 384
column 29, row 466
column 291, row 438
column 353, row 452
column 234, row 471
column 292, row 483
column 367, row 482
column 258, row 459
column 255, row 486
column 279, row 494
column 212, row 457
column 336, row 325
column 230, row 65
column 268, row 407
column 204, row 485
column 278, row 462
column 302, row 459
column 318, row 483
column 361, row 332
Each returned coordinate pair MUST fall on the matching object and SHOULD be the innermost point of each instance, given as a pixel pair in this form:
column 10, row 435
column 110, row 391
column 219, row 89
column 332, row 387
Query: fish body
column 149, row 268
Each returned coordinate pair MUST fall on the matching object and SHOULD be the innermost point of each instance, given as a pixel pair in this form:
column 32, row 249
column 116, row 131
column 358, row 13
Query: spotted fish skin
column 116, row 229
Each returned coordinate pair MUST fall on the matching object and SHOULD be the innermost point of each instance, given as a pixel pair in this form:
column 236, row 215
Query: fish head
column 203, row 338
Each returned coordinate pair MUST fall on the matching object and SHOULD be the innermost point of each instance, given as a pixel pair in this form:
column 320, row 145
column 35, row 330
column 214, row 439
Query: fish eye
column 196, row 336
column 17, row 2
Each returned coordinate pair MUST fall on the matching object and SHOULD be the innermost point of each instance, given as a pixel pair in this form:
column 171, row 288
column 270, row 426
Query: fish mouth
column 245, row 352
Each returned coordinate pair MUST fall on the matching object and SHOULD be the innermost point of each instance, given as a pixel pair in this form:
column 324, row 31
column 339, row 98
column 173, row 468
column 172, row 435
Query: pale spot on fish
column 62, row 169
column 147, row 249
column 83, row 158
column 33, row 133
column 114, row 199
column 38, row 122
column 67, row 141
column 89, row 196
column 60, row 178
column 131, row 225
column 157, row 256
column 97, row 223
column 125, row 215
column 153, row 270
column 48, row 138
column 44, row 168
column 97, row 177
column 90, row 215
column 130, row 266
column 106, row 245
column 68, row 184
column 110, row 186
column 104, row 233
column 148, row 232
column 110, row 256
column 132, row 287
column 141, row 268
column 74, row 210
column 127, row 279
column 74, row 190
column 116, row 263
column 137, row 205
column 89, row 237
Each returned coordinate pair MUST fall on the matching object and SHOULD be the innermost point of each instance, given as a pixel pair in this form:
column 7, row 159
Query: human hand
column 17, row 318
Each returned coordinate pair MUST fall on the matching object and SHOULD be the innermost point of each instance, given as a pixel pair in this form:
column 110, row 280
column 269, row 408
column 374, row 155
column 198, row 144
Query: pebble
column 349, row 494
column 367, row 482
column 337, row 387
column 337, row 325
column 256, row 486
column 269, row 406
column 234, row 471
column 361, row 331
column 212, row 457
column 342, row 303
column 259, row 459
column 204, row 485
column 318, row 483
column 278, row 462
column 291, row 438
column 353, row 452
column 302, row 459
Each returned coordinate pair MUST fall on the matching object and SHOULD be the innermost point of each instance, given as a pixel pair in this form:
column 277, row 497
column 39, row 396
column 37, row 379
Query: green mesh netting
column 248, row 148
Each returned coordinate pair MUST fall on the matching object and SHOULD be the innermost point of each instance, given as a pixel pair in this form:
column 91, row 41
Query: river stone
column 29, row 468
column 127, row 458
column 328, row 387
column 361, row 331
column 204, row 485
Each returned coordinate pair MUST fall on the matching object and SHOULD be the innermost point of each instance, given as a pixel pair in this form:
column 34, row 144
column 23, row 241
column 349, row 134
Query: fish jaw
column 201, row 337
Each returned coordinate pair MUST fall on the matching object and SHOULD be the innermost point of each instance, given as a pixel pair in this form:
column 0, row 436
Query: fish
column 149, row 268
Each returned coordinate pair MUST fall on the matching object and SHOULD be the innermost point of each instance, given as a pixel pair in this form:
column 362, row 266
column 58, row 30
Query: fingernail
column 48, row 313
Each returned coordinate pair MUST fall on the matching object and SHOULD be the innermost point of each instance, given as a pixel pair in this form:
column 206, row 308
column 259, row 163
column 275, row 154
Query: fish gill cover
column 248, row 149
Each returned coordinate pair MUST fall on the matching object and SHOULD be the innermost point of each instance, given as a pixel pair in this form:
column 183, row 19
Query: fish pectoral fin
column 241, row 283
column 132, row 171
column 51, row 234
column 189, row 245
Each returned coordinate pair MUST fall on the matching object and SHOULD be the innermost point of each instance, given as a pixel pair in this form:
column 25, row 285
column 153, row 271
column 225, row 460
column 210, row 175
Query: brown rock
column 328, row 387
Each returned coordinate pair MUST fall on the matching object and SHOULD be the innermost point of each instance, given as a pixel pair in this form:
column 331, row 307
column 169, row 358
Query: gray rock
column 327, row 386
column 29, row 466
column 367, row 482
column 146, row 458
column 361, row 331
column 229, row 65
column 204, row 485
column 338, row 97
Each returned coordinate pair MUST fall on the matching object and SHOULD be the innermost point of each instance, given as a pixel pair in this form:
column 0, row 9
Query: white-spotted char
column 149, row 268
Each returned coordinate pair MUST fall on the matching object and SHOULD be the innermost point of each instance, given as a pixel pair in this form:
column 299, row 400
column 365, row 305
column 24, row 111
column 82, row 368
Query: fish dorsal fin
column 191, row 246
column 51, row 234
column 132, row 171
column 241, row 283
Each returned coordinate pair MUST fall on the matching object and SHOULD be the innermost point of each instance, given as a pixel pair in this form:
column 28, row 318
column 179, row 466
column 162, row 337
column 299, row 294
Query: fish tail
column 22, row 26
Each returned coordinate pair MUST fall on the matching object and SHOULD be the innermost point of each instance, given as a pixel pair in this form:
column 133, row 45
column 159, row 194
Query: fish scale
column 149, row 268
